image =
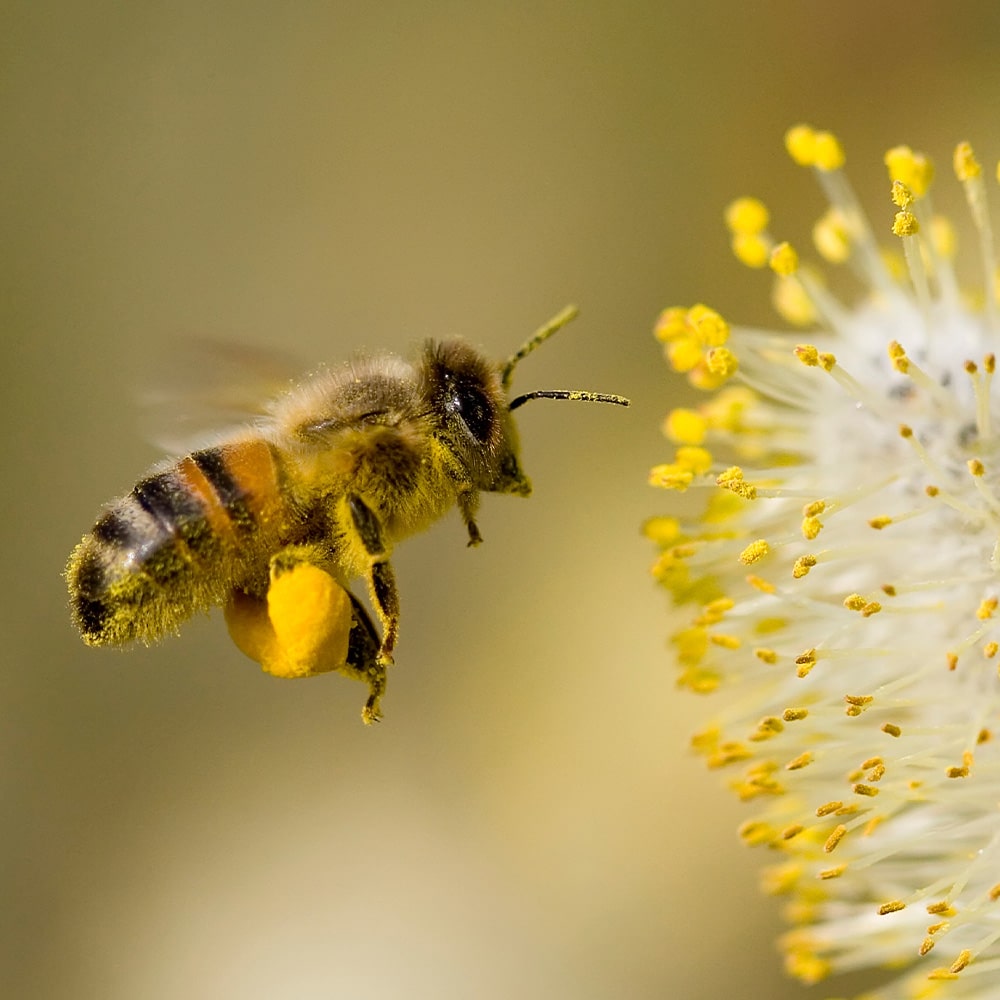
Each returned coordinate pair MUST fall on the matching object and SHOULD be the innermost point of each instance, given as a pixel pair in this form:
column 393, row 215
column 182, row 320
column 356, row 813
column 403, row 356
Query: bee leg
column 363, row 660
column 468, row 502
column 381, row 579
column 363, row 647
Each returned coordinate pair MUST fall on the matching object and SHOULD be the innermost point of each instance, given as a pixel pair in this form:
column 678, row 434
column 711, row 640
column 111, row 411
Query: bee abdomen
column 172, row 546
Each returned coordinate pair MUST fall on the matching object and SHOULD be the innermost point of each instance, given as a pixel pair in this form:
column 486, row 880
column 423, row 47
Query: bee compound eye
column 469, row 402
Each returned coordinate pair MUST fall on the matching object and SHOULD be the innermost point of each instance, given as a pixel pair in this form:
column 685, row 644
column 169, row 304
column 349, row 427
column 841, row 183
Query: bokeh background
column 323, row 177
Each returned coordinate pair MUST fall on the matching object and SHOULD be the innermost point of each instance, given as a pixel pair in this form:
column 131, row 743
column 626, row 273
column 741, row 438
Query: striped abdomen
column 177, row 543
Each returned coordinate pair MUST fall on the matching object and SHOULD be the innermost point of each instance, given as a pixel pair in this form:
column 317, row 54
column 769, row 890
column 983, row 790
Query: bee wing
column 204, row 387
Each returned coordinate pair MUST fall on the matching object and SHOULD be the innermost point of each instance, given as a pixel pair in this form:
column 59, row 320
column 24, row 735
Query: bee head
column 469, row 397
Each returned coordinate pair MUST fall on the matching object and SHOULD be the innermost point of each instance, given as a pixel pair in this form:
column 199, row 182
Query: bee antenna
column 580, row 394
column 536, row 339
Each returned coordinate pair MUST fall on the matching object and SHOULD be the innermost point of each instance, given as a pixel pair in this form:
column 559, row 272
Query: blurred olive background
column 324, row 177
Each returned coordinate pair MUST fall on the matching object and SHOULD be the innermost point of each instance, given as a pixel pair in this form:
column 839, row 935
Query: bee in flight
column 342, row 468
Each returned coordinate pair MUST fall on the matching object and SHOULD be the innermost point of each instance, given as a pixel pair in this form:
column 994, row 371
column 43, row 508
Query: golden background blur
column 321, row 177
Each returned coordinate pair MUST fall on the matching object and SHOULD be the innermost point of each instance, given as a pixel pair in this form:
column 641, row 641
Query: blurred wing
column 205, row 387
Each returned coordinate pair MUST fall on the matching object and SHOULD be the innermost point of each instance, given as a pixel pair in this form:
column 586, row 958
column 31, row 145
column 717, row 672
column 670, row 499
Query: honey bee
column 340, row 469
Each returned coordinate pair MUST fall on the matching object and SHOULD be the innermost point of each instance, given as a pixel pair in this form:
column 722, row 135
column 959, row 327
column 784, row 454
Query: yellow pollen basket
column 301, row 630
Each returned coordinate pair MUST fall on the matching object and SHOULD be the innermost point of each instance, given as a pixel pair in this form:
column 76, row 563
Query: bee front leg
column 468, row 504
column 381, row 579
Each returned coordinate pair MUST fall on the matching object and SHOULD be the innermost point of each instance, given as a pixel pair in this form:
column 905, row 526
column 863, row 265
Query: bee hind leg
column 363, row 646
column 381, row 579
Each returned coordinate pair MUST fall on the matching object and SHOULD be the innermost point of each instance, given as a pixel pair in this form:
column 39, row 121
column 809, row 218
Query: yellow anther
column 701, row 378
column 878, row 523
column 831, row 237
column 871, row 608
column 941, row 909
column 829, row 808
column 892, row 907
column 859, row 700
column 990, row 650
column 976, row 468
column 759, row 583
column 964, row 958
column 808, row 355
column 720, row 606
column 828, row 873
column 721, row 361
column 784, row 260
column 683, row 353
column 800, row 141
column 754, row 552
column 987, row 608
column 791, row 832
column 905, row 431
column 771, row 724
column 828, row 152
column 732, row 480
column 802, row 566
column 914, row 169
column 662, row 530
column 792, row 302
column 670, row 476
column 812, row 358
column 957, row 772
column 905, row 224
column 686, row 426
column 866, row 790
column 811, row 527
column 835, row 838
column 902, row 196
column 925, row 946
column 795, row 714
column 888, row 589
column 891, row 729
column 768, row 656
column 897, row 355
column 952, row 661
column 941, row 975
column 747, row 215
column 671, row 323
column 994, row 893
column 751, row 249
column 697, row 460
column 814, row 509
column 708, row 325
column 990, row 363
column 931, row 490
column 725, row 641
column 854, row 602
column 755, row 833
column 803, row 760
column 966, row 165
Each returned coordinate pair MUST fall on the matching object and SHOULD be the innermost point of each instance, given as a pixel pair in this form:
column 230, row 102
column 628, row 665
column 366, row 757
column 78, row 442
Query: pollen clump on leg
column 300, row 630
